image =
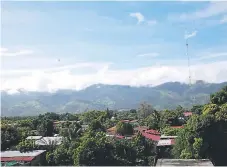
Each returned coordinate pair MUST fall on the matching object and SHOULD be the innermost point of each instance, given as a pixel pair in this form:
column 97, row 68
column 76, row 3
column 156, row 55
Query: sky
column 46, row 46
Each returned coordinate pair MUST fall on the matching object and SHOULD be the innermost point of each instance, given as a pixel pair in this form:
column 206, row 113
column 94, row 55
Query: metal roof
column 166, row 142
column 168, row 137
column 10, row 154
column 34, row 137
column 151, row 136
column 8, row 159
column 49, row 141
column 184, row 162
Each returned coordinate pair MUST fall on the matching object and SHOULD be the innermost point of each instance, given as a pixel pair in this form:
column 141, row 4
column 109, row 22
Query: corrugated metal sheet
column 184, row 162
column 8, row 154
column 167, row 142
column 49, row 141
column 151, row 136
column 7, row 159
column 34, row 137
column 151, row 131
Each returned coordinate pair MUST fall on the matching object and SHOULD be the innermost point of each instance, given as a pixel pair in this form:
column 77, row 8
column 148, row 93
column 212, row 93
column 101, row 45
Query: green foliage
column 123, row 128
column 145, row 110
column 93, row 151
column 210, row 109
column 26, row 146
column 171, row 118
column 9, row 137
column 62, row 155
column 46, row 127
column 219, row 97
column 153, row 121
column 168, row 131
column 204, row 135
column 96, row 126
column 197, row 109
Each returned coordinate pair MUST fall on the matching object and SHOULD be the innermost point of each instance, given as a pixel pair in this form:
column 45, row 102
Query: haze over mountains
column 100, row 96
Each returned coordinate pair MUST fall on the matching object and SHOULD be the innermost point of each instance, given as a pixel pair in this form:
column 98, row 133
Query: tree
column 62, row 155
column 204, row 136
column 26, row 146
column 219, row 97
column 96, row 126
column 145, row 110
column 153, row 120
column 93, row 151
column 124, row 128
column 9, row 137
column 46, row 128
column 171, row 118
column 168, row 131
column 197, row 109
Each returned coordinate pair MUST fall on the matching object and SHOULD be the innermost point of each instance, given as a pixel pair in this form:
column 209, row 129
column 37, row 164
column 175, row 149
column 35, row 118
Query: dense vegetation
column 204, row 135
column 99, row 97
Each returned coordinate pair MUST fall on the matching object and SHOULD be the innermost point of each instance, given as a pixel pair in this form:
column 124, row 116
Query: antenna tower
column 189, row 71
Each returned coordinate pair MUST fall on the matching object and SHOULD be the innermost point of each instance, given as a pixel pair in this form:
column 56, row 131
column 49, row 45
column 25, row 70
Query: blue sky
column 134, row 43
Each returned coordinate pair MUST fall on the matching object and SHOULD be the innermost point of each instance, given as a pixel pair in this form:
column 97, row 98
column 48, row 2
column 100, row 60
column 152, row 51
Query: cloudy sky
column 59, row 45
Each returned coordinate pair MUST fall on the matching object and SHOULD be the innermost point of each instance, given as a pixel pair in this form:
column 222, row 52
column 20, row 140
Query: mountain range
column 100, row 96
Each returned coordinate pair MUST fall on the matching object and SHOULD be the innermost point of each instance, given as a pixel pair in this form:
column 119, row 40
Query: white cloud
column 81, row 65
column 213, row 9
column 140, row 18
column 210, row 56
column 6, row 53
column 149, row 55
column 224, row 19
column 193, row 34
column 65, row 79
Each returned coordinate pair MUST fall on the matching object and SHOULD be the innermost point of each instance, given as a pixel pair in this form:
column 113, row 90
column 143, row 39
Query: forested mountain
column 100, row 96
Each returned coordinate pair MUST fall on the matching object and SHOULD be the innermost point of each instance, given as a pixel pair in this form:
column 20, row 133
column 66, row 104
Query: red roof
column 151, row 131
column 151, row 136
column 186, row 114
column 6, row 159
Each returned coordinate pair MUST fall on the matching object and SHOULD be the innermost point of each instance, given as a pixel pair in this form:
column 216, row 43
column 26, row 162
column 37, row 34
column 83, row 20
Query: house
column 167, row 137
column 32, row 158
column 152, row 134
column 46, row 141
column 34, row 137
column 166, row 142
column 140, row 129
column 184, row 162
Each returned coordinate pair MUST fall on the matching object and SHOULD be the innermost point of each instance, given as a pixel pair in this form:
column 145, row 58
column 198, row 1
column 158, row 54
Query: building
column 184, row 162
column 32, row 158
column 46, row 141
column 34, row 137
column 166, row 142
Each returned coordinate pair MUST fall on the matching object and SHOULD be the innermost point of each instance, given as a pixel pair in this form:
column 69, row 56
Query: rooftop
column 34, row 137
column 166, row 142
column 184, row 162
column 151, row 136
column 19, row 154
column 168, row 137
column 49, row 141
